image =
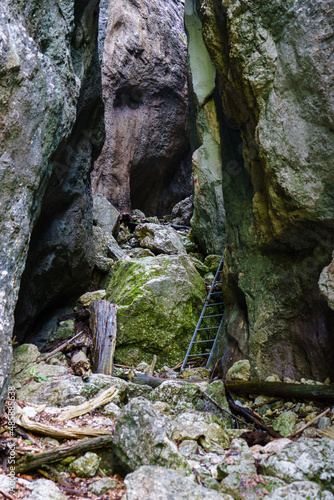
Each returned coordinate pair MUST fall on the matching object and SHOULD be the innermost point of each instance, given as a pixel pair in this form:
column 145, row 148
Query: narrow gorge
column 141, row 141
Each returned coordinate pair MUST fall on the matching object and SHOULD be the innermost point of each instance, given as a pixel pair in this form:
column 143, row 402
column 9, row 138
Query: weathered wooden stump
column 103, row 323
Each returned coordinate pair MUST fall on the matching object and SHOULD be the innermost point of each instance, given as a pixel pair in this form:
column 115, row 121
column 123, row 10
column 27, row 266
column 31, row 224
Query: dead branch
column 60, row 348
column 310, row 422
column 102, row 399
column 35, row 461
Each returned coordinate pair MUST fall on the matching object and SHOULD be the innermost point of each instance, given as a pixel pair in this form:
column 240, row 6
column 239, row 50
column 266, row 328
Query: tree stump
column 103, row 323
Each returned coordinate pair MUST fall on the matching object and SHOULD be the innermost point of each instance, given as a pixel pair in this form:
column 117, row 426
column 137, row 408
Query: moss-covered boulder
column 159, row 301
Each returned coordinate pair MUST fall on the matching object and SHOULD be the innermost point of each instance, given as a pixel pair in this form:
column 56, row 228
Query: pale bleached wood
column 102, row 399
column 103, row 324
column 61, row 433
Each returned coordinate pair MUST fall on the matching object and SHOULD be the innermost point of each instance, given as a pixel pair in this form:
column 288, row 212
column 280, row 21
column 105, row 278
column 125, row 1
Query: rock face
column 159, row 301
column 276, row 113
column 208, row 222
column 145, row 162
column 47, row 81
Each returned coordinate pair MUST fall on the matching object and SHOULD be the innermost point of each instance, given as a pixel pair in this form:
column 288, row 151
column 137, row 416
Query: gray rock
column 163, row 407
column 102, row 486
column 141, row 438
column 183, row 211
column 42, row 371
column 61, row 391
column 304, row 460
column 239, row 371
column 85, row 466
column 250, row 486
column 179, row 395
column 159, row 239
column 326, row 283
column 43, row 489
column 145, row 159
column 23, row 356
column 58, row 359
column 166, row 484
column 240, row 461
column 188, row 447
column 324, row 423
column 7, row 483
column 202, row 427
column 105, row 215
column 201, row 372
column 111, row 410
column 107, row 250
column 300, row 490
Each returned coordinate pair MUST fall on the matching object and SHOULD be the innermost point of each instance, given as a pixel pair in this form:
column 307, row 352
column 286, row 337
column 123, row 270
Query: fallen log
column 37, row 460
column 103, row 323
column 282, row 390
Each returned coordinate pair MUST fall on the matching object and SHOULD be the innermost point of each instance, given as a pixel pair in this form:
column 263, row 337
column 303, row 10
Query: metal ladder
column 209, row 302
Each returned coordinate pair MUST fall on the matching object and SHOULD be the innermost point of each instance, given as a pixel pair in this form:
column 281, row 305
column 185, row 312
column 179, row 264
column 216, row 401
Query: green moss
column 159, row 301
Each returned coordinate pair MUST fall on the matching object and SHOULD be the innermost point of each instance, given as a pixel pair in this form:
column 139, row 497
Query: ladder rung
column 199, row 355
column 213, row 316
column 203, row 341
column 215, row 282
column 208, row 328
column 215, row 293
column 216, row 304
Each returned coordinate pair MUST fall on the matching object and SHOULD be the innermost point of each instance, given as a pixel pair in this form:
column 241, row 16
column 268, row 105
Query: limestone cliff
column 208, row 222
column 145, row 161
column 276, row 112
column 46, row 58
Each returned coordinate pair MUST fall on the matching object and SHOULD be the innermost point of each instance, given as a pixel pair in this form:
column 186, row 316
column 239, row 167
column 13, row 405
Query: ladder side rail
column 193, row 338
column 214, row 344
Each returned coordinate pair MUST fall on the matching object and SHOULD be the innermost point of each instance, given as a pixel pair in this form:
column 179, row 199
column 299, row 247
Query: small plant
column 38, row 378
column 183, row 38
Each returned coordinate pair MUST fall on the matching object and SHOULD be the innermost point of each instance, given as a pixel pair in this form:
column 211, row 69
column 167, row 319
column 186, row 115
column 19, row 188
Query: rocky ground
column 168, row 442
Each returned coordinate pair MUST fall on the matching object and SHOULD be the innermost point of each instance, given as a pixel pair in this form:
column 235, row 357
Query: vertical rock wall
column 275, row 67
column 145, row 161
column 46, row 51
column 208, row 222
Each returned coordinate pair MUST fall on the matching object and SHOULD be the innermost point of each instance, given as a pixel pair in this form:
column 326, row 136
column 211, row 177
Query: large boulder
column 145, row 162
column 276, row 113
column 159, row 301
column 304, row 460
column 166, row 484
column 141, row 438
column 159, row 239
